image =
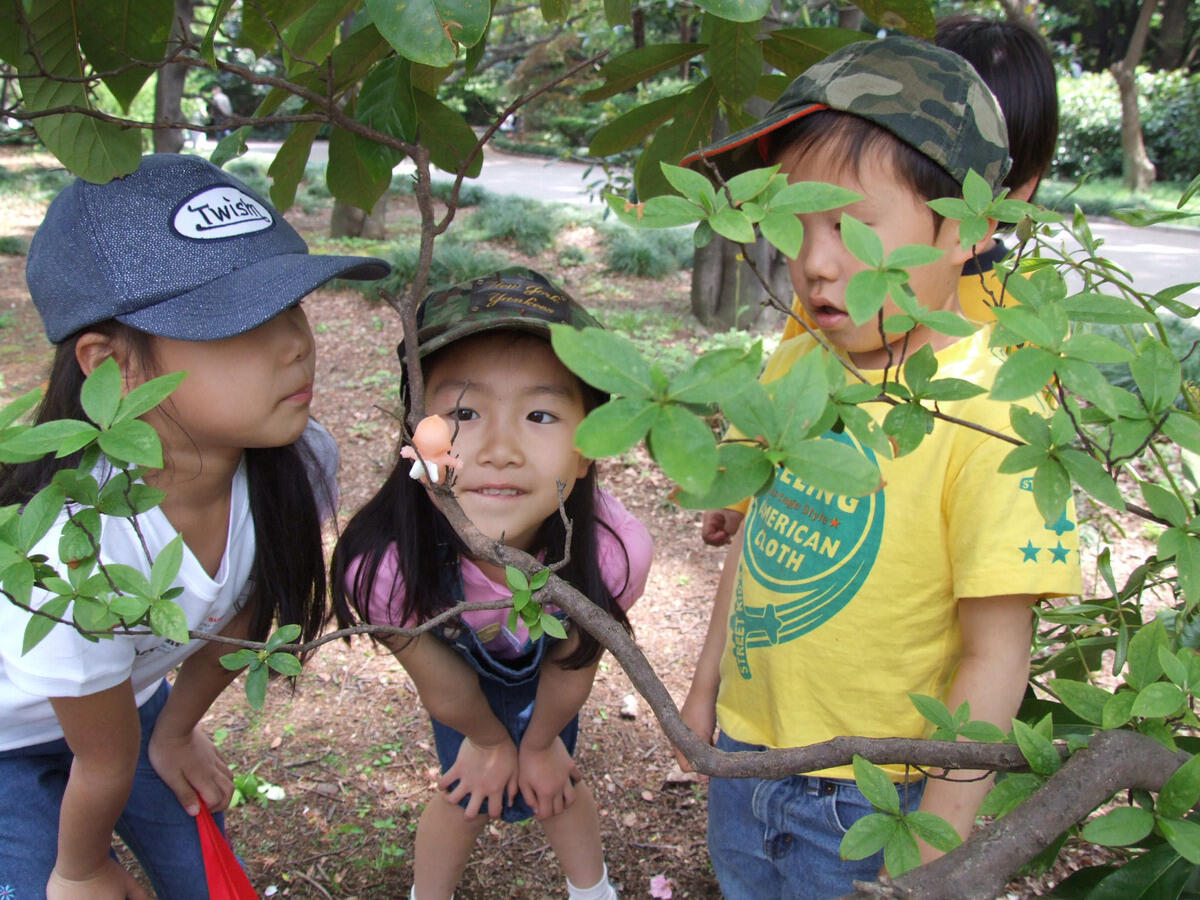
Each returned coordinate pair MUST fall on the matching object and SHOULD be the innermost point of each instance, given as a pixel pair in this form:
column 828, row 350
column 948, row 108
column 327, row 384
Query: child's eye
column 463, row 414
column 541, row 417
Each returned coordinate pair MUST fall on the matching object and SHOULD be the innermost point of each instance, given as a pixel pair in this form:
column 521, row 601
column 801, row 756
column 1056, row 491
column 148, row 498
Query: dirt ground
column 350, row 748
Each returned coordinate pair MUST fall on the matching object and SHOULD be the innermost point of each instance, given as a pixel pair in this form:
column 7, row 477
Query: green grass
column 651, row 254
column 453, row 261
column 1100, row 196
column 10, row 245
column 529, row 224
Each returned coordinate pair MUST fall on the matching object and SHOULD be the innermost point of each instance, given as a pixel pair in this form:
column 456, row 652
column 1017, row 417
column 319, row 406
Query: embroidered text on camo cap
column 218, row 212
column 520, row 296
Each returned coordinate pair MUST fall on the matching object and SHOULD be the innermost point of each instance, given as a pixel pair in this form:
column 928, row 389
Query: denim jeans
column 153, row 824
column 779, row 838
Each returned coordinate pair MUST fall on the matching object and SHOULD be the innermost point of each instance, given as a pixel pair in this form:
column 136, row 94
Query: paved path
column 1157, row 257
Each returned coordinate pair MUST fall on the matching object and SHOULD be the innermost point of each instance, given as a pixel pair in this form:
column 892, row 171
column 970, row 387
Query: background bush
column 651, row 254
column 1089, row 138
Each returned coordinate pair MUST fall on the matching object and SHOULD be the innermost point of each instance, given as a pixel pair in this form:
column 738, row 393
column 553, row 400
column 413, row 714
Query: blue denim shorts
column 153, row 825
column 779, row 838
column 510, row 687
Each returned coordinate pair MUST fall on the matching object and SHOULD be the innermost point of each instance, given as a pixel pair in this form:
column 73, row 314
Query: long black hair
column 401, row 518
column 287, row 578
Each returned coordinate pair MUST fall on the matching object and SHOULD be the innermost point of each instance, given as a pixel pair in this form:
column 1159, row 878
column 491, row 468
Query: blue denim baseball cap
column 178, row 249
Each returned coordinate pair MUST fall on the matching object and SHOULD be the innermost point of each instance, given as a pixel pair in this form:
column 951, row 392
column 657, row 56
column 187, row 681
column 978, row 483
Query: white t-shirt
column 65, row 664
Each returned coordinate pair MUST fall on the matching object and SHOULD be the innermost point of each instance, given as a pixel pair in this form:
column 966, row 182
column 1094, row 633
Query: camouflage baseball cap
column 515, row 298
column 930, row 98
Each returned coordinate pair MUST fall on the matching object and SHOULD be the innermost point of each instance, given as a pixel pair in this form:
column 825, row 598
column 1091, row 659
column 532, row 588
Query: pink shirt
column 491, row 625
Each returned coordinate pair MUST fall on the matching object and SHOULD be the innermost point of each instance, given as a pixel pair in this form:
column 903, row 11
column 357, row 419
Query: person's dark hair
column 849, row 138
column 287, row 579
column 1016, row 65
column 402, row 516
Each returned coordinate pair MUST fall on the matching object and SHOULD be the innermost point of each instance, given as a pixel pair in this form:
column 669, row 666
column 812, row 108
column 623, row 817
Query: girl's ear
column 584, row 465
column 92, row 348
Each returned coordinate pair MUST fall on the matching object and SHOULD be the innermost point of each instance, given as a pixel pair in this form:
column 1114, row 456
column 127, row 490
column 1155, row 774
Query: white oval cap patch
column 219, row 212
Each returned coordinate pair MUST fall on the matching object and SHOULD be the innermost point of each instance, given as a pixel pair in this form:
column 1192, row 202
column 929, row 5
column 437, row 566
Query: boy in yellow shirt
column 831, row 609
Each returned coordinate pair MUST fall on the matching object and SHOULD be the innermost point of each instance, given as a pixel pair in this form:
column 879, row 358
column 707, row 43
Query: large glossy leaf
column 689, row 130
column 1119, row 828
column 10, row 37
column 792, row 50
column 617, row 12
column 430, row 31
column 631, row 128
column 735, row 59
column 94, row 150
column 386, row 102
column 355, row 177
column 312, row 35
column 345, row 66
column 117, row 33
column 288, row 166
column 1181, row 791
column 629, row 69
column 1158, row 874
column 447, row 135
column 262, row 18
column 736, row 10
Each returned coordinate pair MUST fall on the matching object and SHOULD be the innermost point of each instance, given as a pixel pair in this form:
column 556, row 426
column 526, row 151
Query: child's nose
column 501, row 444
column 820, row 253
column 294, row 333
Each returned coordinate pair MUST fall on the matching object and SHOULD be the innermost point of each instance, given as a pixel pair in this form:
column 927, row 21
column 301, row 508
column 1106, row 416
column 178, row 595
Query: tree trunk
column 168, row 85
column 350, row 221
column 1137, row 169
column 726, row 293
column 1173, row 38
column 850, row 18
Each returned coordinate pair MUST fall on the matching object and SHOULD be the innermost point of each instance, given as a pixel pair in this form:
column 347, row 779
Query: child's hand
column 483, row 772
column 701, row 717
column 110, row 882
column 191, row 765
column 547, row 778
column 718, row 526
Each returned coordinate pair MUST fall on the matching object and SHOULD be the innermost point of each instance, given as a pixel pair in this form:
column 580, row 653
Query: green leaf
column 1009, row 793
column 1119, row 828
column 100, row 395
column 1085, row 700
column 167, row 620
column 1023, row 374
column 1158, row 700
column 912, row 255
column 692, row 185
column 683, row 445
column 1085, row 380
column 876, row 786
column 792, row 50
column 1051, row 489
column 1157, row 373
column 784, row 231
column 1118, row 710
column 145, row 397
column 166, row 565
column 1184, row 548
column 629, row 69
column 539, row 579
column 239, row 659
column 80, row 537
column 901, row 853
column 690, row 129
column 1164, row 503
column 117, row 34
column 37, row 627
column 733, row 225
column 1104, row 309
column 61, row 437
column 736, row 10
column 742, row 471
column 1183, row 429
column 133, row 441
column 617, row 12
column 716, row 375
column 430, row 31
column 833, row 466
column 1096, row 348
column 868, row 836
column 516, row 579
column 386, row 101
column 447, row 135
column 614, row 427
column 1039, row 751
column 1181, row 791
column 862, row 241
column 256, row 684
column 865, row 294
column 18, row 407
column 1184, row 836
column 39, row 514
column 96, row 150
column 285, row 664
column 604, row 359
column 908, row 425
column 935, row 711
column 811, row 196
column 287, row 169
column 1087, row 472
column 286, row 634
column 356, row 174
column 984, row 732
column 552, row 626
column 933, row 830
column 1144, row 667
column 735, row 58
column 631, row 128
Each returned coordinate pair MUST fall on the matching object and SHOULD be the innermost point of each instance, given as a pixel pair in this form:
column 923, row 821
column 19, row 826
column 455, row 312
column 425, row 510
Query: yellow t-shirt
column 844, row 605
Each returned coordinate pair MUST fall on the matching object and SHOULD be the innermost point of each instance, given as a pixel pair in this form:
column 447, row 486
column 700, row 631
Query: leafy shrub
column 10, row 245
column 1089, row 139
column 252, row 173
column 527, row 223
column 1182, row 337
column 651, row 254
column 468, row 195
column 453, row 261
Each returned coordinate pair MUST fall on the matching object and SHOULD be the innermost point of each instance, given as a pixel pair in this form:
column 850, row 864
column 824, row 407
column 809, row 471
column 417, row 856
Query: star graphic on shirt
column 835, row 523
column 1059, row 553
column 1030, row 552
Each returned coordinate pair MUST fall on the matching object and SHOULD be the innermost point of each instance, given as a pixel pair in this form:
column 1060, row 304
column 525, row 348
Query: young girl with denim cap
column 505, row 708
column 176, row 267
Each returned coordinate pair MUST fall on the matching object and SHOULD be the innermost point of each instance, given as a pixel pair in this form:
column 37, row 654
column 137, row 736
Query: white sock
column 412, row 894
column 601, row 890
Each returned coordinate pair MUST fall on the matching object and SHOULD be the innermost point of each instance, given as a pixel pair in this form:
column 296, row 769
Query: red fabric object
column 226, row 879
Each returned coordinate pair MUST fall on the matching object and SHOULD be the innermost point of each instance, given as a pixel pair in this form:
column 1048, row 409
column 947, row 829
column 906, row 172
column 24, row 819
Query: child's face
column 516, row 408
column 824, row 266
column 250, row 390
